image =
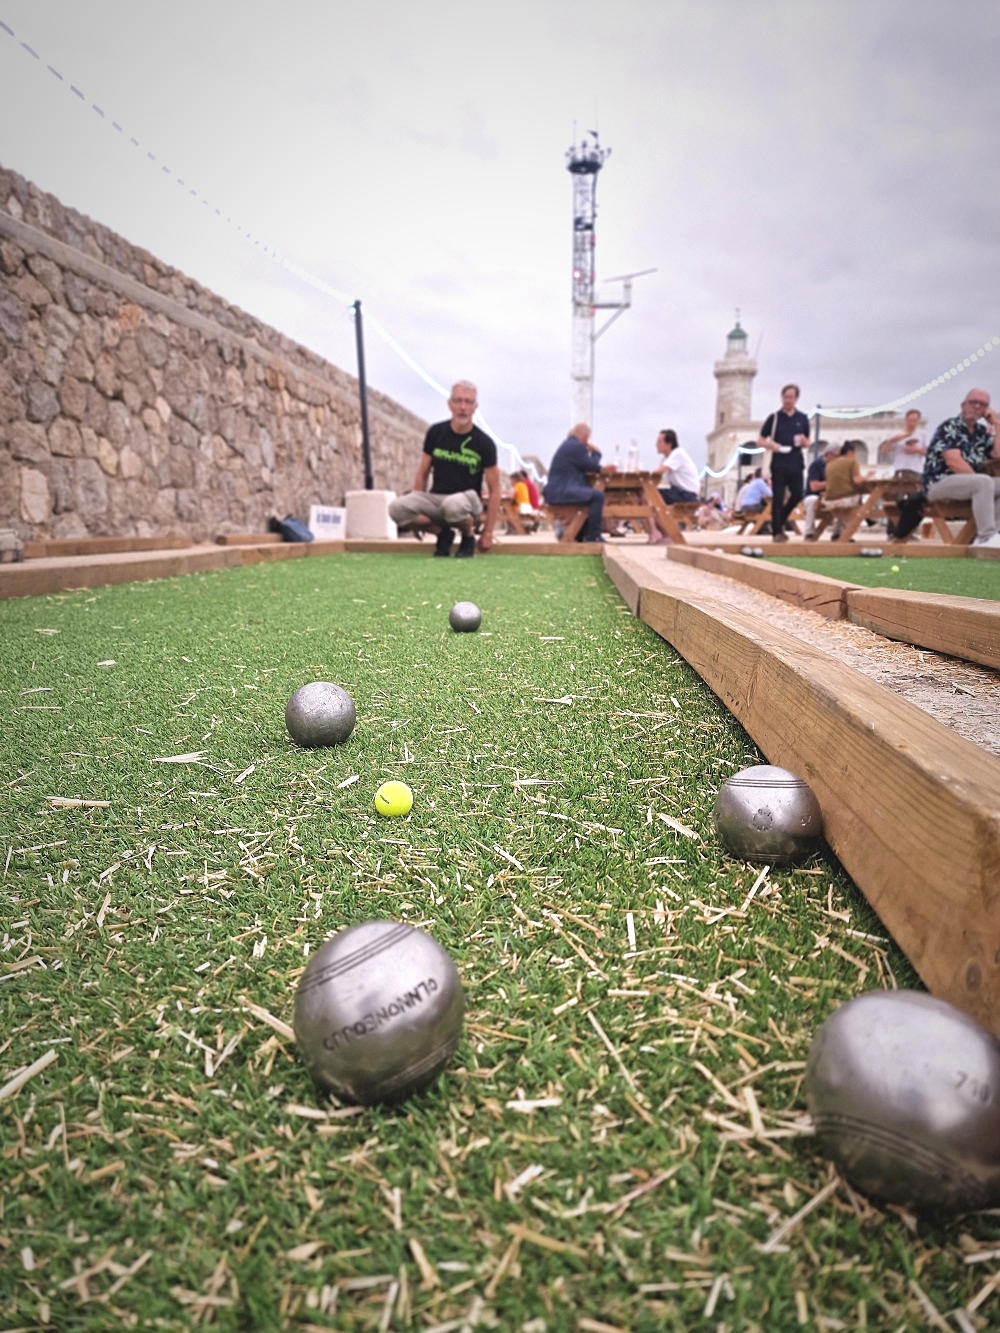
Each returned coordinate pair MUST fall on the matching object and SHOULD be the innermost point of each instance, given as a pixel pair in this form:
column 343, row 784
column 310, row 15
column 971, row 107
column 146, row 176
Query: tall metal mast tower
column 583, row 162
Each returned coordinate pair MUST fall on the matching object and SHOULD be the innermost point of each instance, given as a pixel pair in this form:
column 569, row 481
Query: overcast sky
column 828, row 167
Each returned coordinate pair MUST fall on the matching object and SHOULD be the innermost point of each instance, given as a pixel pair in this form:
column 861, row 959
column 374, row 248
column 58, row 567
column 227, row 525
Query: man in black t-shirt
column 459, row 455
column 785, row 434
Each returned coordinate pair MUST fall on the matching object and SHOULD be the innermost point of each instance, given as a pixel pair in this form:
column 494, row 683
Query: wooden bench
column 936, row 517
column 522, row 524
column 751, row 524
column 571, row 518
column 683, row 512
column 37, row 550
column 752, row 521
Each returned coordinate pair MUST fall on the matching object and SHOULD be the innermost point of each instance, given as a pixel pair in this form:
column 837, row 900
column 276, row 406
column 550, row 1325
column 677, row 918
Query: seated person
column 521, row 498
column 753, row 495
column 569, row 481
column 712, row 514
column 844, row 484
column 906, row 451
column 815, row 487
column 677, row 470
column 956, row 455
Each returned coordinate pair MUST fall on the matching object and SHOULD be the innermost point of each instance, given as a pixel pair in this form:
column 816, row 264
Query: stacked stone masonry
column 134, row 402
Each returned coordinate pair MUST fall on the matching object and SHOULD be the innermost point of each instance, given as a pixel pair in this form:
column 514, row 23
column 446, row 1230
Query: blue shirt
column 567, row 481
column 975, row 446
column 757, row 491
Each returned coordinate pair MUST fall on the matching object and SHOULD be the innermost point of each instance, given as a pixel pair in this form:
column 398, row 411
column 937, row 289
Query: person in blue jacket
column 569, row 479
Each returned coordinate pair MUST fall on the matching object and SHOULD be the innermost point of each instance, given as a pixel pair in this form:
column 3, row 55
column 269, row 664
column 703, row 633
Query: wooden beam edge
column 964, row 627
column 814, row 592
column 909, row 808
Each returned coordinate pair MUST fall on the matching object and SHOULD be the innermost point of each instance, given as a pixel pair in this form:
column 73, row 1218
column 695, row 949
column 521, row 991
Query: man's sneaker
column 467, row 547
column 443, row 544
column 993, row 541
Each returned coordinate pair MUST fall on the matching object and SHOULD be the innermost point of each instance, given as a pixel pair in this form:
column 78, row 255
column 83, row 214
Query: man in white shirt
column 907, row 450
column 677, row 470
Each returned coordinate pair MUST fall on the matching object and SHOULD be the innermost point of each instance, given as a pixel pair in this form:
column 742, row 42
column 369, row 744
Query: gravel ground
column 961, row 695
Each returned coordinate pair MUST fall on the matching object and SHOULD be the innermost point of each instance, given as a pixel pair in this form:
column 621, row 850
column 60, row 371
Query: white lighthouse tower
column 734, row 423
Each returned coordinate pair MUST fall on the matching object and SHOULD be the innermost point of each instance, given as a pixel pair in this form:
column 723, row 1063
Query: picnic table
column 631, row 496
column 879, row 502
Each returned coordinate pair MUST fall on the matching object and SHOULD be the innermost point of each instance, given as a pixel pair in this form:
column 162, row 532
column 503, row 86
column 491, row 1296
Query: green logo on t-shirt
column 464, row 455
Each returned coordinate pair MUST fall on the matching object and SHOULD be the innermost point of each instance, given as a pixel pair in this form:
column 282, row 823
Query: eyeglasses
column 978, row 402
column 464, row 402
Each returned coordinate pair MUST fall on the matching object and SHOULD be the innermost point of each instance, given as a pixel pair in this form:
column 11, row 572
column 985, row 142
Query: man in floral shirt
column 955, row 457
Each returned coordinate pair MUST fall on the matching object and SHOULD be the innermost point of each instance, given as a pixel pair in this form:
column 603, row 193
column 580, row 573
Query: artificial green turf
column 564, row 764
column 958, row 578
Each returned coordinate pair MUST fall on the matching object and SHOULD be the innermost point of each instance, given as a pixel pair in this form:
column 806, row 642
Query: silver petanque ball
column 767, row 814
column 904, row 1093
column 465, row 617
column 320, row 714
column 378, row 1012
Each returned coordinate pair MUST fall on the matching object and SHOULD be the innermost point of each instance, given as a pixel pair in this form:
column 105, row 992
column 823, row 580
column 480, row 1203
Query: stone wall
column 134, row 402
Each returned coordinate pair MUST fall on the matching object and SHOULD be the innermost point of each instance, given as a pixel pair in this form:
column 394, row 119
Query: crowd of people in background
column 458, row 458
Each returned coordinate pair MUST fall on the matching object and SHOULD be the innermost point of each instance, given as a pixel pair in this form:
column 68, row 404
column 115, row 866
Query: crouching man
column 456, row 457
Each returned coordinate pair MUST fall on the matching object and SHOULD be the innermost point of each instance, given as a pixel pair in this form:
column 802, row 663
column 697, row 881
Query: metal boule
column 904, row 1093
column 319, row 713
column 768, row 815
column 465, row 617
column 378, row 1012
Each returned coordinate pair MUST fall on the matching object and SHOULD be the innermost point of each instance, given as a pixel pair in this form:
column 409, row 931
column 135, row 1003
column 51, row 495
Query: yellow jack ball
column 393, row 798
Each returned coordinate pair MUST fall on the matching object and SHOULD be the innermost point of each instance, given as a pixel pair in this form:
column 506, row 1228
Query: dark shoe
column 467, row 547
column 443, row 544
column 780, row 537
column 812, row 536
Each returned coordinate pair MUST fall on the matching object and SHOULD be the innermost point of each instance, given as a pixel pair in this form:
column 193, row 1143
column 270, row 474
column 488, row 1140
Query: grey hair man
column 956, row 455
column 457, row 457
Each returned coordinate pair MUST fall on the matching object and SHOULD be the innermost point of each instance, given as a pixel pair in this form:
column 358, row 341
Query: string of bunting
column 304, row 275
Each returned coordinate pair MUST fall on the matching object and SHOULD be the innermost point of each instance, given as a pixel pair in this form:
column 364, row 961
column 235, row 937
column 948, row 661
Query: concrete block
column 368, row 515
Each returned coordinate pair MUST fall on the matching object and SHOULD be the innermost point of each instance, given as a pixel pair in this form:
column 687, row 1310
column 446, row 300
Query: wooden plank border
column 964, row 627
column 815, row 592
column 911, row 809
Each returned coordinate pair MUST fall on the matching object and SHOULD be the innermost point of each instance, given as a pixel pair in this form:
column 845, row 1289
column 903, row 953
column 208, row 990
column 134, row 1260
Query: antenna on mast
column 583, row 162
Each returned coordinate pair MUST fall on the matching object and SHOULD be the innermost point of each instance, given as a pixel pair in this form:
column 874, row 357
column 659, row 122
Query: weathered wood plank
column 44, row 576
column 815, row 592
column 67, row 546
column 247, row 538
column 965, row 627
column 627, row 579
column 911, row 809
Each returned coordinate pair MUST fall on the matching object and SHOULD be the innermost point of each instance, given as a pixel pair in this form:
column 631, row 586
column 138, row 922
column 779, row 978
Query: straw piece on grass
column 265, row 1017
column 19, row 1080
column 614, row 1054
column 930, row 1310
column 777, row 1237
column 73, row 800
column 544, row 1242
column 428, row 1276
